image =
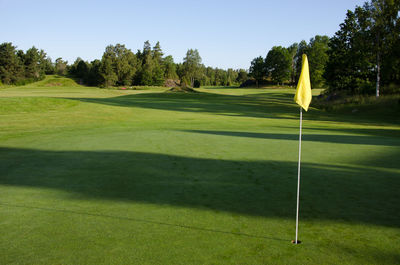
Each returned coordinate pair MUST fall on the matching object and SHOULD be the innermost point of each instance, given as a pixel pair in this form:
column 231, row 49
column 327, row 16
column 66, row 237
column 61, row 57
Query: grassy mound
column 57, row 81
column 178, row 89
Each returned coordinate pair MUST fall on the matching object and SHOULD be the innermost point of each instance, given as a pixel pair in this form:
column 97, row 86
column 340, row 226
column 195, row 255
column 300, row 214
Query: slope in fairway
column 95, row 176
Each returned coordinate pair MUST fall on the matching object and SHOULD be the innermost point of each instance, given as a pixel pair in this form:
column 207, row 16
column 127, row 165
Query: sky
column 227, row 34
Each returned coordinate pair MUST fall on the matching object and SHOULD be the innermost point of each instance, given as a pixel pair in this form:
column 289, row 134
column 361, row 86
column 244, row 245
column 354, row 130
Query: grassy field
column 96, row 176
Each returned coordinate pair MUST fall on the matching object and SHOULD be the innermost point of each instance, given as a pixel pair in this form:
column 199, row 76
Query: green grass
column 97, row 176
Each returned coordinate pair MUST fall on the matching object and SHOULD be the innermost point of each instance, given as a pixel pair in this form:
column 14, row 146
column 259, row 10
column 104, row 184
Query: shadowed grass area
column 257, row 188
column 260, row 105
column 97, row 176
column 229, row 105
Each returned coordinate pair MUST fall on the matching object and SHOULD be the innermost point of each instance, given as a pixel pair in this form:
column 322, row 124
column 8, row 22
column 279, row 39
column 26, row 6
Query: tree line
column 19, row 67
column 119, row 66
column 283, row 64
column 362, row 56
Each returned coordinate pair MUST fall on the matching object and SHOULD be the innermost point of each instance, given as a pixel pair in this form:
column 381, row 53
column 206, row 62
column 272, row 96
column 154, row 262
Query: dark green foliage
column 82, row 69
column 302, row 48
column 292, row 50
column 11, row 67
column 191, row 65
column 278, row 64
column 257, row 69
column 158, row 74
column 119, row 66
column 349, row 65
column 121, row 62
column 170, row 68
column 94, row 76
column 241, row 76
column 17, row 67
column 32, row 59
column 364, row 52
column 48, row 66
column 317, row 53
column 107, row 71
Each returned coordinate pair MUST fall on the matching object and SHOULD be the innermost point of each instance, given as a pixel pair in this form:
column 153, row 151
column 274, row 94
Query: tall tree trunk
column 378, row 73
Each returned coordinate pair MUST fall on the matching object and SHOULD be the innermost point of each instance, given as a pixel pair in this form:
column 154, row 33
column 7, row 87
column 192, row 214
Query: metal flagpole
column 298, row 180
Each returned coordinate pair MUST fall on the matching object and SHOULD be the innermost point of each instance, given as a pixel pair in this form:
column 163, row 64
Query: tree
column 32, row 61
column 46, row 64
column 11, row 68
column 349, row 67
column 107, row 71
column 158, row 67
column 157, row 53
column 317, row 54
column 72, row 69
column 61, row 66
column 94, row 77
column 292, row 49
column 278, row 64
column 257, row 69
column 146, row 48
column 364, row 49
column 170, row 68
column 302, row 48
column 242, row 76
column 122, row 61
column 383, row 16
column 191, row 65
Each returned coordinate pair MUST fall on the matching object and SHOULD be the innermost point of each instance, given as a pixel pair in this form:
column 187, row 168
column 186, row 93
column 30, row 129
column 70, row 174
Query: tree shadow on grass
column 326, row 138
column 263, row 105
column 228, row 105
column 256, row 188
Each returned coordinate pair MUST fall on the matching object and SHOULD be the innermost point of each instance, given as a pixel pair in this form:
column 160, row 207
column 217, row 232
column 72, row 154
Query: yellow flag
column 303, row 91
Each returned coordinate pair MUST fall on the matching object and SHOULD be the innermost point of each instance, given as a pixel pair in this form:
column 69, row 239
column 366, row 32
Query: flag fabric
column 303, row 91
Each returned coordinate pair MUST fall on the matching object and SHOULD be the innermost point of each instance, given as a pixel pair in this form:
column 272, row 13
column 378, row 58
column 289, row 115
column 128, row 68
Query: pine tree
column 11, row 68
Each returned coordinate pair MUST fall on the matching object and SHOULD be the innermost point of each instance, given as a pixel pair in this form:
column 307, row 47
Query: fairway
column 107, row 176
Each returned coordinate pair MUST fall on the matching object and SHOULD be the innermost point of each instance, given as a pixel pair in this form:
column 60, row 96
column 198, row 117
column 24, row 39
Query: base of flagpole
column 294, row 242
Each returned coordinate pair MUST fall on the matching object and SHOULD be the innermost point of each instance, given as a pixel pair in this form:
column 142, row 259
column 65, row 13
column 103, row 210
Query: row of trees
column 283, row 64
column 119, row 66
column 361, row 57
column 19, row 67
column 365, row 53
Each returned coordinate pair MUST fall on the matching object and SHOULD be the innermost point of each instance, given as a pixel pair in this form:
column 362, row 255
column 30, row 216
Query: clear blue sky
column 228, row 34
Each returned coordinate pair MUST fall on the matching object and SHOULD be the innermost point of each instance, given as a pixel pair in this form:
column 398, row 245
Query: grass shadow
column 256, row 188
column 227, row 105
column 325, row 138
column 261, row 105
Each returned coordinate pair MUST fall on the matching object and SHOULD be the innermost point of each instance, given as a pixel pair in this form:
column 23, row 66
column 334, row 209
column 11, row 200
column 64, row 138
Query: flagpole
column 298, row 180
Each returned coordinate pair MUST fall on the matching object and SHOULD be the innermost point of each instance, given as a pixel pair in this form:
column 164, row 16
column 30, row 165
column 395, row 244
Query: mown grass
column 97, row 176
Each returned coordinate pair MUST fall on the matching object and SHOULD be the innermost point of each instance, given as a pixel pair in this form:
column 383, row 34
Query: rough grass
column 97, row 176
